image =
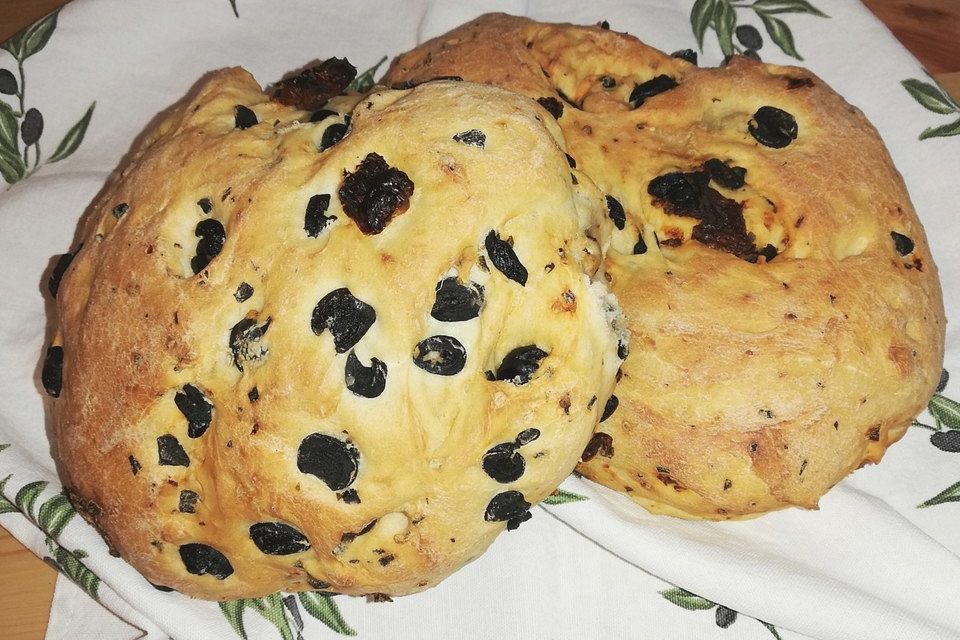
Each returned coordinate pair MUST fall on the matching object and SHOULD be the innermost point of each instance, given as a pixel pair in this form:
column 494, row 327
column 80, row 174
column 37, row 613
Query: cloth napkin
column 879, row 560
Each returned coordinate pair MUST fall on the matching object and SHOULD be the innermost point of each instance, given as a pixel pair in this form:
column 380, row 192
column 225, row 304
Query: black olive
column 607, row 82
column 278, row 539
column 52, row 374
column 120, row 210
column 440, row 355
column 457, row 302
column 63, row 262
column 749, row 37
column 773, row 127
column 507, row 506
column 571, row 161
column 612, row 403
column 347, row 318
column 350, row 496
column 650, row 88
column 201, row 559
column 902, row 243
column 188, row 501
column 769, row 252
column 640, row 247
column 243, row 117
column 135, row 465
column 676, row 189
column 473, row 137
column 616, row 212
column 243, row 292
column 375, row 193
column 205, row 205
column 946, row 441
column 212, row 236
column 332, row 460
column 527, row 436
column 623, row 350
column 316, row 219
column 246, row 341
column 725, row 616
column 170, row 452
column 685, row 54
column 504, row 463
column 367, row 382
column 253, row 395
column 504, row 258
column 519, row 365
column 552, row 105
column 724, row 175
column 195, row 408
column 332, row 135
column 322, row 114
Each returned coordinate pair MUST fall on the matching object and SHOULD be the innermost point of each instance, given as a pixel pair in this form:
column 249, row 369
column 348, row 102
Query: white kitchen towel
column 879, row 560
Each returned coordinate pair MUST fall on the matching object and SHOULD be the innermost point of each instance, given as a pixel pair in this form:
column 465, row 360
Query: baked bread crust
column 766, row 363
column 308, row 411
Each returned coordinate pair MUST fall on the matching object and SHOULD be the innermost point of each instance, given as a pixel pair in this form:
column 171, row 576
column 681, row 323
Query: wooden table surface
column 930, row 29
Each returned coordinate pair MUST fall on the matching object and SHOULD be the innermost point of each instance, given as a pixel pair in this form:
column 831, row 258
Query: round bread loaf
column 288, row 362
column 785, row 314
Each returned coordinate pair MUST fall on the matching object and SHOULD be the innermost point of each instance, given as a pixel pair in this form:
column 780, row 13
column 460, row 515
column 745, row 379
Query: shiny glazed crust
column 753, row 382
column 390, row 493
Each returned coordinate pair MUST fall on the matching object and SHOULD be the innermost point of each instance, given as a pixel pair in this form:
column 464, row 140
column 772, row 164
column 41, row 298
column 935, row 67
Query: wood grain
column 930, row 29
column 26, row 590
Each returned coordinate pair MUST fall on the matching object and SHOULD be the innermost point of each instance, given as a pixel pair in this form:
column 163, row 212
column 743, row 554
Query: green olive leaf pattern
column 701, row 17
column 365, row 81
column 70, row 565
column 721, row 16
column 724, row 616
column 950, row 494
column 563, row 497
column 687, row 600
column 788, row 6
column 21, row 124
column 74, row 137
column 52, row 517
column 283, row 612
column 323, row 608
column 946, row 435
column 32, row 39
column 932, row 97
column 5, row 505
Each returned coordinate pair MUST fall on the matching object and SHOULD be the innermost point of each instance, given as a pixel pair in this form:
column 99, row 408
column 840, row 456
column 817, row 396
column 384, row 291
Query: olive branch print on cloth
column 365, row 81
column 563, row 497
column 946, row 435
column 721, row 16
column 933, row 97
column 51, row 518
column 724, row 615
column 283, row 612
column 18, row 123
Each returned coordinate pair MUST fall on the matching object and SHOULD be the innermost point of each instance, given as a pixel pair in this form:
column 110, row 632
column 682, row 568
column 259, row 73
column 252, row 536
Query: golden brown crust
column 390, row 492
column 750, row 386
